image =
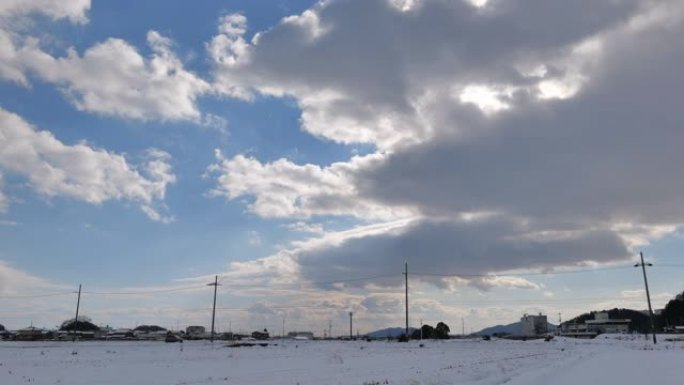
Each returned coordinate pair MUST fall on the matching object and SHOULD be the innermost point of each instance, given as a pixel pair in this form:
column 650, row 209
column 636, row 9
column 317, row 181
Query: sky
column 517, row 155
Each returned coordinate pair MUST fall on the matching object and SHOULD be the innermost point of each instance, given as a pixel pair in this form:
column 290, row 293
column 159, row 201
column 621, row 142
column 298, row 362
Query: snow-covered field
column 606, row 360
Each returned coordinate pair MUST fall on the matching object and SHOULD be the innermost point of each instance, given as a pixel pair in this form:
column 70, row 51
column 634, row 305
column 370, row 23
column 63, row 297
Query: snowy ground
column 606, row 360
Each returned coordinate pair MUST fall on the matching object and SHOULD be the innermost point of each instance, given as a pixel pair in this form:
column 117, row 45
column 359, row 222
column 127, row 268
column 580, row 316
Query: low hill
column 389, row 333
column 640, row 319
column 513, row 329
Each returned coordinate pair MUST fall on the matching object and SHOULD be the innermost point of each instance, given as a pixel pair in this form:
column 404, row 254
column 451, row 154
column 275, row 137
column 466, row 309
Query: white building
column 533, row 325
column 602, row 323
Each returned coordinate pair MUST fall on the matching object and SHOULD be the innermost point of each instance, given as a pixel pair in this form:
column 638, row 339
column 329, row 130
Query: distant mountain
column 513, row 329
column 389, row 332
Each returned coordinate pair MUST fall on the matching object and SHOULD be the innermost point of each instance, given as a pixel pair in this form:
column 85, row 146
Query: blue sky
column 292, row 146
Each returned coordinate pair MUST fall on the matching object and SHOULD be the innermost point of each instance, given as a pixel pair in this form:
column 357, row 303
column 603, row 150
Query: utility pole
column 215, row 284
column 330, row 329
column 462, row 327
column 648, row 294
column 421, row 329
column 407, row 304
column 351, row 334
column 78, row 305
column 283, row 327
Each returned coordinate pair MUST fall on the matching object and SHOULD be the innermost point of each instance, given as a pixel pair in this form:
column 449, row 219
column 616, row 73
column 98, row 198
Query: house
column 533, row 325
column 195, row 332
column 257, row 335
column 32, row 333
column 602, row 323
column 150, row 332
column 120, row 334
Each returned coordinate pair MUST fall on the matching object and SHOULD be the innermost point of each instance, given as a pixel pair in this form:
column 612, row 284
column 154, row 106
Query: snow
column 606, row 360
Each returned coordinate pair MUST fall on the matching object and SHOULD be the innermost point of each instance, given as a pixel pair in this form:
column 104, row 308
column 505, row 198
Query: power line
column 540, row 273
column 189, row 288
column 356, row 279
column 669, row 265
column 35, row 295
column 308, row 285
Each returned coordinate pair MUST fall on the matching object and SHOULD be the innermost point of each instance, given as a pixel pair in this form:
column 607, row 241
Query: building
column 120, row 334
column 301, row 335
column 32, row 333
column 602, row 323
column 533, row 325
column 192, row 332
column 258, row 335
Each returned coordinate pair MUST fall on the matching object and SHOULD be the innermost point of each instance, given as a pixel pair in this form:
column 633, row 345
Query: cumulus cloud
column 113, row 78
column 513, row 134
column 286, row 189
column 74, row 10
column 3, row 198
column 446, row 254
column 439, row 248
column 377, row 78
column 110, row 78
column 602, row 158
column 80, row 171
column 12, row 12
column 10, row 67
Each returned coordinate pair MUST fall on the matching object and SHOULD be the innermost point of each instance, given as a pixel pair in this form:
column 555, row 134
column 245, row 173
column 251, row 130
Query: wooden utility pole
column 215, row 284
column 351, row 334
column 78, row 305
column 407, row 304
column 648, row 294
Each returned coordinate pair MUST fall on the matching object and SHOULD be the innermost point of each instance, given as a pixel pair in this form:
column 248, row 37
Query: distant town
column 669, row 320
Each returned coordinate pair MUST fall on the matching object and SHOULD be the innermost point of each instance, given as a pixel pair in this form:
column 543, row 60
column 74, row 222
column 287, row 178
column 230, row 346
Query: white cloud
column 254, row 238
column 514, row 108
column 113, row 78
column 10, row 68
column 304, row 227
column 80, row 171
column 15, row 282
column 384, row 78
column 110, row 78
column 285, row 189
column 12, row 13
column 4, row 202
column 74, row 10
column 487, row 99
